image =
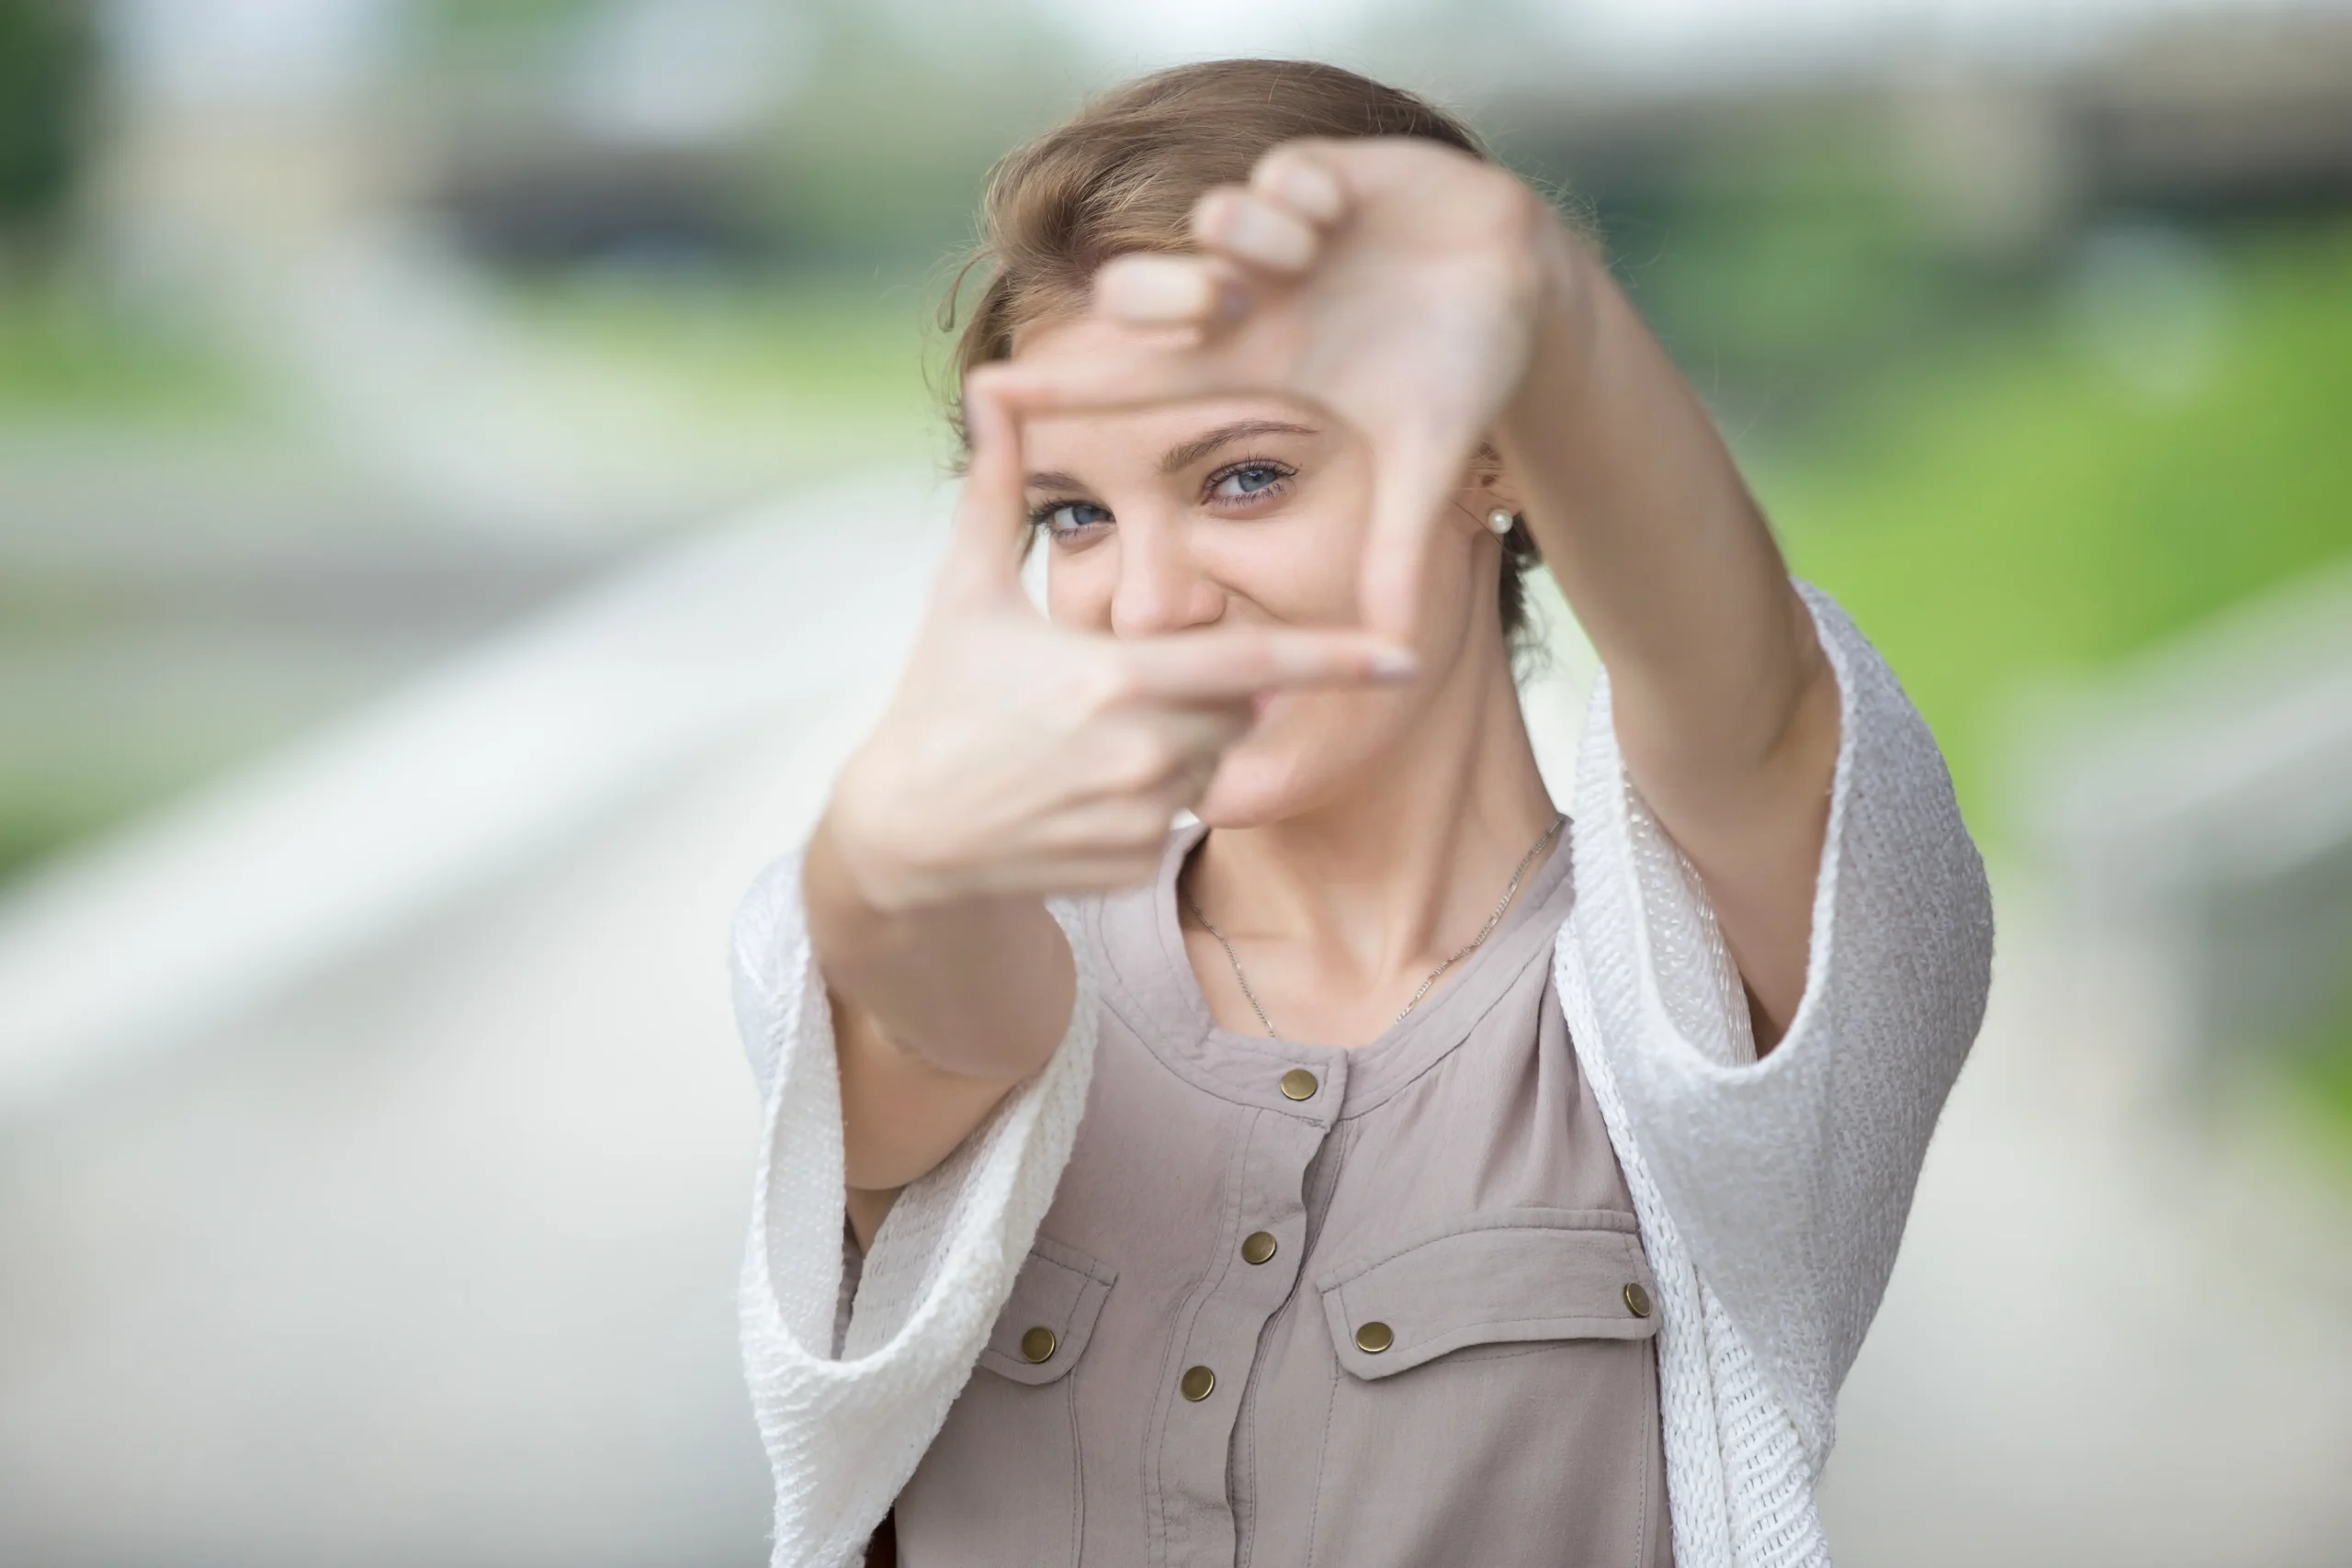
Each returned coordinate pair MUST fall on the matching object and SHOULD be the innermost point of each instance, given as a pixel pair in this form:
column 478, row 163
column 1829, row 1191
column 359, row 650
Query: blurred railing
column 2200, row 802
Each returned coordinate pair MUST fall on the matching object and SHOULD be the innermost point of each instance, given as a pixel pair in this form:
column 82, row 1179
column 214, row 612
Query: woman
column 1382, row 1168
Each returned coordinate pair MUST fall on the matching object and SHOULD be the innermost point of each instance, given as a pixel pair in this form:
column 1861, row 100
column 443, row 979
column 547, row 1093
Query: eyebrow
column 1178, row 459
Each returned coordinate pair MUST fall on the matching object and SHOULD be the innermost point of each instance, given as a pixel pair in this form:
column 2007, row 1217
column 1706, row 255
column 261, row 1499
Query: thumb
column 991, row 525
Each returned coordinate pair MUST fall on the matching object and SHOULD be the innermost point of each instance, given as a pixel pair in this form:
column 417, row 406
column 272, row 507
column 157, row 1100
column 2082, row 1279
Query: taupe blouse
column 1301, row 1305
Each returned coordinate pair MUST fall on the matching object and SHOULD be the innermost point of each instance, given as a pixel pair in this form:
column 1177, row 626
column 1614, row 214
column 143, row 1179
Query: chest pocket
column 1517, row 1276
column 1000, row 1483
column 1048, row 1320
column 1496, row 1385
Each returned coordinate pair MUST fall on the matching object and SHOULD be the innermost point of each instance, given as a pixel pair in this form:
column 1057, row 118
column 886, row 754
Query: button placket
column 1214, row 1368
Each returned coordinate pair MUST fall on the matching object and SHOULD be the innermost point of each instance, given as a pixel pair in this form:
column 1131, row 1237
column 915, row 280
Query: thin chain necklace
column 1462, row 952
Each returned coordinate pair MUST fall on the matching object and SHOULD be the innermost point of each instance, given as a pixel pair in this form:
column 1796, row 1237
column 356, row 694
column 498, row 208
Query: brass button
column 1374, row 1337
column 1300, row 1084
column 1199, row 1382
column 1637, row 1299
column 1039, row 1344
column 1257, row 1246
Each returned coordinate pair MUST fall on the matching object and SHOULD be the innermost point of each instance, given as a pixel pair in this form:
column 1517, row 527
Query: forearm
column 1636, row 505
column 938, row 1012
column 1725, row 709
column 981, row 987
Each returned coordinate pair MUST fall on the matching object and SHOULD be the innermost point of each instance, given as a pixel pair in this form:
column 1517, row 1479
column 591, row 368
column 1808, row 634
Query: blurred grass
column 850, row 348
column 85, row 384
column 2298, row 1101
column 70, row 356
column 2322, row 1075
column 2011, row 508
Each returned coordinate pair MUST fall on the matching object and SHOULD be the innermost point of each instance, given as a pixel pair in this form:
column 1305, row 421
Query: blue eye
column 1068, row 516
column 1248, row 480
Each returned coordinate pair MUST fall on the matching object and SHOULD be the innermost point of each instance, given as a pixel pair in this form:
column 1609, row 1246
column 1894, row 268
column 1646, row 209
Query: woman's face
column 1247, row 512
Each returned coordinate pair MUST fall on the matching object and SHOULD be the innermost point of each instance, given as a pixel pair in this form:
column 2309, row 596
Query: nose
column 1161, row 587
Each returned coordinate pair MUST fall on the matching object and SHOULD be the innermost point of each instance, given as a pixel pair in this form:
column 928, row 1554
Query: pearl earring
column 1502, row 520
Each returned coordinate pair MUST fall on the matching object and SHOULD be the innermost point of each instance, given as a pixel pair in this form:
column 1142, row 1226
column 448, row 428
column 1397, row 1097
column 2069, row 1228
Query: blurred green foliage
column 508, row 32
column 70, row 353
column 2321, row 1074
column 858, row 344
column 833, row 371
column 47, row 57
column 1779, row 264
column 2007, row 507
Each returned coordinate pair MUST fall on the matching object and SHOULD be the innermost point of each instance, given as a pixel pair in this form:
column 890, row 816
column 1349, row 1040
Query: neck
column 1377, row 885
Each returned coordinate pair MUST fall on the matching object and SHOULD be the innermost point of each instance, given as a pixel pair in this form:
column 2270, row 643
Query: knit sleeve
column 1787, row 1181
column 846, row 1409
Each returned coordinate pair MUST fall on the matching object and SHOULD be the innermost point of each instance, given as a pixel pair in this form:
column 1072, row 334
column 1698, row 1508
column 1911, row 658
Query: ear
column 1486, row 485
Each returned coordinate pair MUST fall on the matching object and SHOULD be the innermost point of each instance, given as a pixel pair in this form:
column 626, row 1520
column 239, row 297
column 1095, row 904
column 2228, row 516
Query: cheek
column 1078, row 585
column 1300, row 569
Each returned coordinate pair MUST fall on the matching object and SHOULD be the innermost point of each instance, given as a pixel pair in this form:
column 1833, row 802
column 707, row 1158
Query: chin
column 1253, row 789
column 1307, row 750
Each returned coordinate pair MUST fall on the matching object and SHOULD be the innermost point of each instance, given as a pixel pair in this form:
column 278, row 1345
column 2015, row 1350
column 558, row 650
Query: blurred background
column 467, row 468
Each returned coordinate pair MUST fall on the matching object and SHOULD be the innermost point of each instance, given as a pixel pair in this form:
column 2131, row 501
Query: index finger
column 991, row 525
column 1217, row 666
column 1132, row 375
column 1413, row 478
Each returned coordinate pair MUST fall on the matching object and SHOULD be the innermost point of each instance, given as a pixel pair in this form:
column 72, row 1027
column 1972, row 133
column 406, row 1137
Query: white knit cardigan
column 1771, row 1195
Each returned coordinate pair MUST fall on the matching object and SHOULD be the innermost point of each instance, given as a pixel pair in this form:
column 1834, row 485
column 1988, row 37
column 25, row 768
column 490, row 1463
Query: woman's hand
column 1019, row 758
column 1016, row 759
column 1393, row 281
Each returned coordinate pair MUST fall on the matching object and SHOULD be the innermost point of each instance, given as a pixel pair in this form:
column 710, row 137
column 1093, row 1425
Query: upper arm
column 1753, row 829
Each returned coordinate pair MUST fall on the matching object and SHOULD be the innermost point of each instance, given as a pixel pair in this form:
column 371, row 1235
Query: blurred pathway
column 2108, row 1340
column 374, row 1142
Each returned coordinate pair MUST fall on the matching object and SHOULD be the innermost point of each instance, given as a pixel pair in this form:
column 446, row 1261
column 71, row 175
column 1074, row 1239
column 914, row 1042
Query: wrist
column 862, row 874
column 1561, row 332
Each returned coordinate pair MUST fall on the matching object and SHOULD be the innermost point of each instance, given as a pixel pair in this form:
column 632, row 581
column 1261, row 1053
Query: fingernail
column 1155, row 289
column 1268, row 237
column 1395, row 664
column 1311, row 190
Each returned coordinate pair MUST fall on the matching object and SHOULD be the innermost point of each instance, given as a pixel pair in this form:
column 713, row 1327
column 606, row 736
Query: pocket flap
column 1518, row 1274
column 1047, row 1321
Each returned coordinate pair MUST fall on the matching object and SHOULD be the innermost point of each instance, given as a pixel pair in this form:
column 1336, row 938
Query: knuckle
column 1255, row 662
column 1109, row 683
column 1215, row 206
column 1142, row 825
column 1158, row 757
column 1184, row 790
column 1150, row 286
column 1521, row 214
column 1139, row 762
column 1293, row 176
